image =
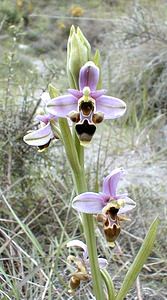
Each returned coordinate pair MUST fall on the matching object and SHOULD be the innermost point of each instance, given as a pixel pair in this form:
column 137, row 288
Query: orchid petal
column 45, row 97
column 39, row 137
column 75, row 93
column 44, row 118
column 62, row 106
column 89, row 203
column 121, row 196
column 80, row 244
column 129, row 205
column 103, row 263
column 98, row 93
column 89, row 76
column 110, row 182
column 112, row 108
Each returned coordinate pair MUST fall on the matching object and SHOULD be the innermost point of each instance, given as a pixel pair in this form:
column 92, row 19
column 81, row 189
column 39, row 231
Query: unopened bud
column 78, row 53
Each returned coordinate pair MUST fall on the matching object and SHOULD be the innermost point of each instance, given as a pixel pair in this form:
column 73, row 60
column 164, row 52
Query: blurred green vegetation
column 132, row 39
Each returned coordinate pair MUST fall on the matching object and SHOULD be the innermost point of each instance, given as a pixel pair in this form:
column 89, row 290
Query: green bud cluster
column 78, row 53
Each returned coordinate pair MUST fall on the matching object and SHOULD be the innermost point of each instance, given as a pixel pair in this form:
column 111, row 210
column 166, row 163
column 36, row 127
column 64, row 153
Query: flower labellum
column 87, row 106
column 108, row 205
column 85, row 131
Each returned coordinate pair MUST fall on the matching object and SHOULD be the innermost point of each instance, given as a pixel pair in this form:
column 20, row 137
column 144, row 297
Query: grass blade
column 139, row 261
column 24, row 227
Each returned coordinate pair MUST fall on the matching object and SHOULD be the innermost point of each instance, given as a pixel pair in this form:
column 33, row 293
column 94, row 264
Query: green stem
column 69, row 145
column 74, row 157
column 79, row 148
column 109, row 284
column 88, row 224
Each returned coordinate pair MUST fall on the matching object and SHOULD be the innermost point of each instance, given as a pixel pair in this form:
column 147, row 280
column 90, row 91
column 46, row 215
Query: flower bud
column 78, row 53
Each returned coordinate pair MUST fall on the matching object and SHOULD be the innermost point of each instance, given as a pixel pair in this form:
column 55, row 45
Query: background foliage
column 36, row 219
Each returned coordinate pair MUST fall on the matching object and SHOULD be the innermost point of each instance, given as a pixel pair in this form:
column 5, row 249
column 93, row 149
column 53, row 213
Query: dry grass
column 39, row 186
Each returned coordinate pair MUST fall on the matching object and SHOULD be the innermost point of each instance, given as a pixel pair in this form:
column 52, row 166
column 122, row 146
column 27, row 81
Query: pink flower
column 42, row 137
column 108, row 204
column 87, row 106
column 83, row 266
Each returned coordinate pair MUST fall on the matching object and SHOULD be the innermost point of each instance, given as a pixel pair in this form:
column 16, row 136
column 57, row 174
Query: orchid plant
column 72, row 118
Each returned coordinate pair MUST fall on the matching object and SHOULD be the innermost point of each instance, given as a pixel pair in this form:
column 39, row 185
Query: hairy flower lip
column 112, row 232
column 85, row 130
